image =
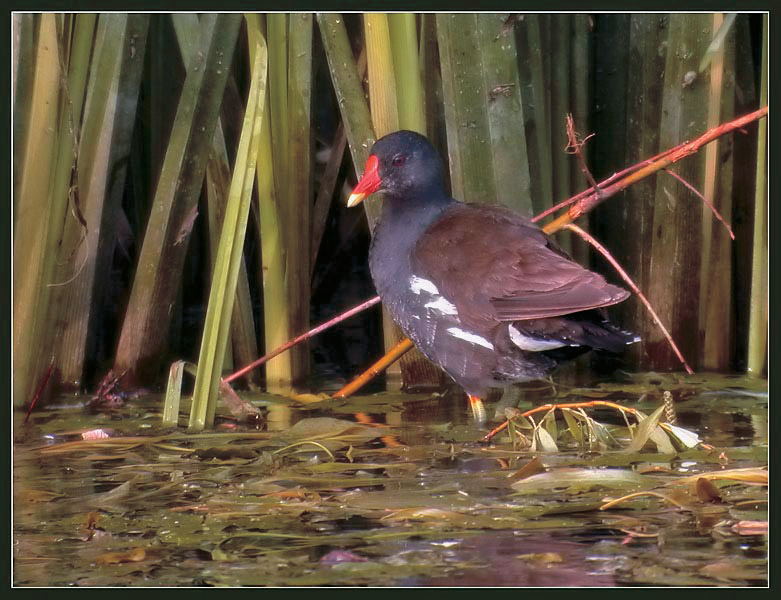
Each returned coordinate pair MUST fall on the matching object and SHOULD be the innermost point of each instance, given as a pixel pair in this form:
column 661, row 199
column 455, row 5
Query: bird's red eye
column 399, row 160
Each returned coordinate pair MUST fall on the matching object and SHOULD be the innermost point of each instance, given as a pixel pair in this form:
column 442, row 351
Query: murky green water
column 316, row 498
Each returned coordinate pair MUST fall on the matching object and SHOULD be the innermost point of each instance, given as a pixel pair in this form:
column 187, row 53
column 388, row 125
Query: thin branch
column 602, row 250
column 301, row 338
column 587, row 203
column 702, row 197
column 390, row 357
column 651, row 493
column 574, row 146
column 39, row 390
column 602, row 185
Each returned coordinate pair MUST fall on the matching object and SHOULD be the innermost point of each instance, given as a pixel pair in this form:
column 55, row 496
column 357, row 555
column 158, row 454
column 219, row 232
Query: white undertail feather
column 530, row 344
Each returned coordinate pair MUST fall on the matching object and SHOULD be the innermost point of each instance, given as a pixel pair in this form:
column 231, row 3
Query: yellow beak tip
column 355, row 199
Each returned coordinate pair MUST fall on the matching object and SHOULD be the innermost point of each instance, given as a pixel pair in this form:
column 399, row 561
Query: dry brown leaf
column 533, row 467
column 114, row 558
column 36, row 496
column 749, row 475
column 706, row 491
column 728, row 571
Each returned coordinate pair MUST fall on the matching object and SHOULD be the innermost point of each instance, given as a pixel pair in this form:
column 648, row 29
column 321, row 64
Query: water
column 316, row 498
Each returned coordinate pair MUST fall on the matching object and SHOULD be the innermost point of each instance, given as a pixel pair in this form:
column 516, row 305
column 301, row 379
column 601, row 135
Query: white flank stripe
column 418, row 284
column 533, row 345
column 470, row 337
column 443, row 306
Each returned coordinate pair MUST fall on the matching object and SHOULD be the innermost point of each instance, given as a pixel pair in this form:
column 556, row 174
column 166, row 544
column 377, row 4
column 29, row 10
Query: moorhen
column 481, row 291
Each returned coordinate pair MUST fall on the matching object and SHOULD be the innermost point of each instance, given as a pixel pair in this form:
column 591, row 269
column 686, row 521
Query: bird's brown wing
column 521, row 274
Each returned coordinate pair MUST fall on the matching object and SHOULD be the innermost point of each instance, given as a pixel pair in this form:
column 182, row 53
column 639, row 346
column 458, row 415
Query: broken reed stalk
column 573, row 147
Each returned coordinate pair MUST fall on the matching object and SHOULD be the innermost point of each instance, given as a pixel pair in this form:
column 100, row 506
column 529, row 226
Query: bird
column 480, row 290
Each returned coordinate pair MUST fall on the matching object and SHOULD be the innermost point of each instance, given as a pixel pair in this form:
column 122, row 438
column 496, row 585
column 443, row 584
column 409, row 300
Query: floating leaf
column 601, row 434
column 549, row 422
column 351, row 467
column 581, row 480
column 616, row 501
column 533, row 467
column 224, row 453
column 645, row 428
column 573, row 424
column 684, row 437
column 660, row 438
column 35, row 496
column 542, row 558
column 728, row 570
column 319, row 428
column 113, row 558
column 752, row 475
column 706, row 491
column 544, row 441
column 341, row 556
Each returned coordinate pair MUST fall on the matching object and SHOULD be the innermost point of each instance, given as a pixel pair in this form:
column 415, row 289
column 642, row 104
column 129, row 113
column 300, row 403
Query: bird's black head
column 403, row 165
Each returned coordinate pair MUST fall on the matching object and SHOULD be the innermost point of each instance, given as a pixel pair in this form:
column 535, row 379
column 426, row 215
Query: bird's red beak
column 369, row 183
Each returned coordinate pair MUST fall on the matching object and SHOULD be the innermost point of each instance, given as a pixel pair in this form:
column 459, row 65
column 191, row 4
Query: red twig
column 304, row 336
column 390, row 357
column 705, row 201
column 592, row 199
column 39, row 390
column 599, row 192
column 601, row 185
column 603, row 251
column 574, row 146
